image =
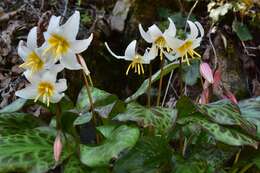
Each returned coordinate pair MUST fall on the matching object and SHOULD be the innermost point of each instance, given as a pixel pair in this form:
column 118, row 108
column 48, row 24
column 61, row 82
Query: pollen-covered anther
column 58, row 45
column 137, row 65
column 33, row 62
column 45, row 91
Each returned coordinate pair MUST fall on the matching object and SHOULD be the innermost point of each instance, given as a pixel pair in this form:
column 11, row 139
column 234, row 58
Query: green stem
column 161, row 80
column 149, row 87
column 58, row 117
column 180, row 74
column 246, row 167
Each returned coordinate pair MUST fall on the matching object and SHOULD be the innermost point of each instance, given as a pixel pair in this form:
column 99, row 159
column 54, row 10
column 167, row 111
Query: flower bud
column 206, row 72
column 57, row 147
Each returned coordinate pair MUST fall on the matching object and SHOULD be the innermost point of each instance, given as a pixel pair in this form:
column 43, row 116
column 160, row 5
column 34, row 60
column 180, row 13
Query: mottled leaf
column 143, row 88
column 122, row 138
column 241, row 30
column 14, row 106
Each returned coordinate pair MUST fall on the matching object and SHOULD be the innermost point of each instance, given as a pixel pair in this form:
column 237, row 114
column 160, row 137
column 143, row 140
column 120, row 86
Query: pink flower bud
column 206, row 72
column 217, row 78
column 204, row 98
column 57, row 147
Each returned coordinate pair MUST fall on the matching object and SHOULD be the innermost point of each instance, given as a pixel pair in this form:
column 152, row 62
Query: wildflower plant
column 128, row 136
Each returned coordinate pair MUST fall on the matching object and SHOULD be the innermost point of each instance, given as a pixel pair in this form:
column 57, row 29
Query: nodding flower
column 61, row 44
column 137, row 59
column 34, row 62
column 158, row 38
column 185, row 48
column 44, row 86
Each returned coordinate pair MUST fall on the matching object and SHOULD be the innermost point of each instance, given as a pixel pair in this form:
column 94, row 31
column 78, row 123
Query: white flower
column 158, row 39
column 137, row 60
column 34, row 62
column 44, row 87
column 61, row 41
column 183, row 48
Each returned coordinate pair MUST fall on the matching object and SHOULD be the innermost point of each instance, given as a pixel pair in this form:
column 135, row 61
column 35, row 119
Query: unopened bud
column 206, row 72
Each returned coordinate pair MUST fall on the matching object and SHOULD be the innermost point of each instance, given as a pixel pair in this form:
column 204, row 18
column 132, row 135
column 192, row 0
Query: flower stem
column 161, row 80
column 58, row 117
column 149, row 86
column 90, row 99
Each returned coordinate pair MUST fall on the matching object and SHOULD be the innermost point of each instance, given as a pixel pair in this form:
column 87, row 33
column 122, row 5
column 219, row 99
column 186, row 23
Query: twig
column 245, row 49
column 191, row 10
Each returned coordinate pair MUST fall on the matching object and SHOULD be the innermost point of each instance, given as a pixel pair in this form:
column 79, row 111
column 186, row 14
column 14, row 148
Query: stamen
column 45, row 90
column 137, row 65
column 33, row 62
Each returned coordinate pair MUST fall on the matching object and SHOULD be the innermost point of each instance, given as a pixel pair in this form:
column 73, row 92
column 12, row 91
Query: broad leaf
column 241, row 31
column 143, row 88
column 250, row 110
column 12, row 123
column 14, row 106
column 150, row 155
column 191, row 72
column 161, row 118
column 82, row 119
column 74, row 165
column 223, row 134
column 30, row 151
column 120, row 139
column 103, row 101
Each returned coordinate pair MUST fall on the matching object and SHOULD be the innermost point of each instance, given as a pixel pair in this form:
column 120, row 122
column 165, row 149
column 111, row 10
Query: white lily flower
column 158, row 38
column 34, row 62
column 44, row 87
column 186, row 47
column 61, row 41
column 137, row 59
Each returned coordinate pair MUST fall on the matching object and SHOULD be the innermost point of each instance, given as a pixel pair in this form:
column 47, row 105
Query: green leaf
column 191, row 72
column 122, row 138
column 74, row 165
column 161, row 118
column 143, row 88
column 30, row 151
column 226, row 113
column 150, row 155
column 250, row 110
column 103, row 101
column 14, row 106
column 223, row 134
column 82, row 119
column 241, row 30
column 185, row 106
column 12, row 123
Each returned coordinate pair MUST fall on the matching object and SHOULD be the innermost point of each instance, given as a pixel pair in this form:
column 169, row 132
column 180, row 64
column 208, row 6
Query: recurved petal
column 145, row 35
column 200, row 28
column 61, row 85
column 112, row 53
column 171, row 31
column 56, row 97
column 130, row 51
column 32, row 38
column 79, row 46
column 193, row 30
column 30, row 92
column 154, row 31
column 150, row 54
column 70, row 61
column 173, row 42
column 53, row 24
column 71, row 27
column 23, row 51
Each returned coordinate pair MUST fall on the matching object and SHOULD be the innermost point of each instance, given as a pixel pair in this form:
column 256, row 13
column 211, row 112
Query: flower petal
column 154, row 32
column 53, row 24
column 173, row 42
column 130, row 51
column 145, row 35
column 70, row 61
column 23, row 51
column 112, row 53
column 71, row 27
column 206, row 72
column 149, row 55
column 79, row 46
column 193, row 30
column 30, row 92
column 171, row 31
column 171, row 56
column 200, row 28
column 56, row 97
column 61, row 85
column 32, row 38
